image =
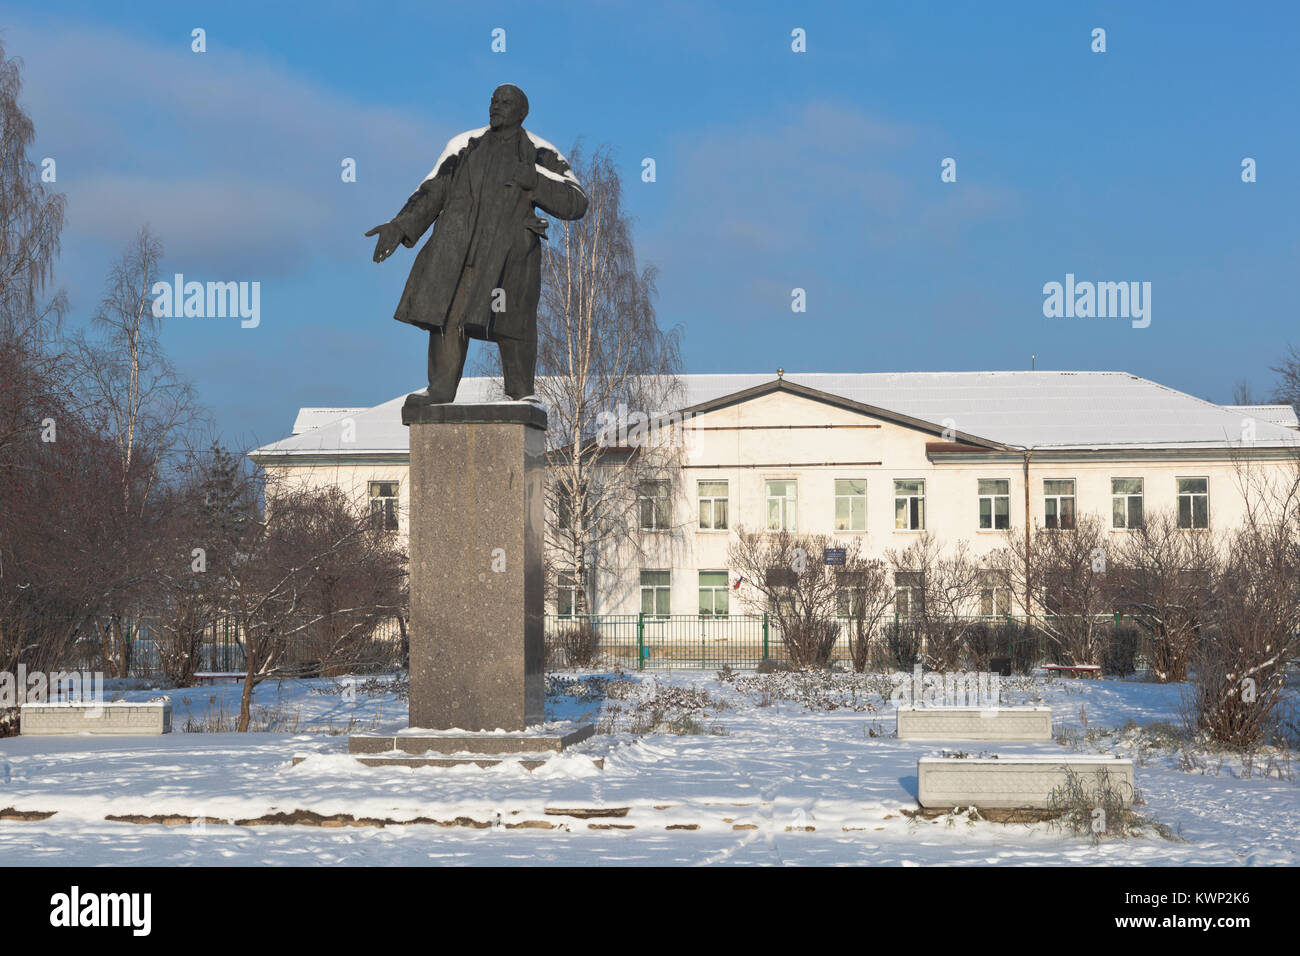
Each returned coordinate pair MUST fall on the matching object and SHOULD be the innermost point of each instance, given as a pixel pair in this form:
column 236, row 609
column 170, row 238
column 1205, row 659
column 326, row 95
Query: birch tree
column 602, row 359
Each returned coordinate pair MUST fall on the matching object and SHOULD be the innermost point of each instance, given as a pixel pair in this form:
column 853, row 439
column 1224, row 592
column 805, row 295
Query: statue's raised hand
column 390, row 236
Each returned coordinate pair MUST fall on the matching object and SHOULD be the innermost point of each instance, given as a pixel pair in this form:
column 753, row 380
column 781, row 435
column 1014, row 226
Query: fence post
column 764, row 635
column 640, row 641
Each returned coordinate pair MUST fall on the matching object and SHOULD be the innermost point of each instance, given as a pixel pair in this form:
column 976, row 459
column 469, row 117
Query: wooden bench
column 212, row 677
column 1074, row 670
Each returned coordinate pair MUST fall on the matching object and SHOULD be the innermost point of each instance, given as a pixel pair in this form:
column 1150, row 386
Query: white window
column 566, row 594
column 995, row 504
column 656, row 593
column 995, row 594
column 383, row 505
column 1058, row 503
column 781, row 505
column 713, row 505
column 909, row 505
column 1193, row 502
column 907, row 594
column 714, row 592
column 850, row 595
column 1126, row 502
column 652, row 501
column 850, row 504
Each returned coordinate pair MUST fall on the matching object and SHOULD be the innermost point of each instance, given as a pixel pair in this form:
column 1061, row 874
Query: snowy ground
column 783, row 769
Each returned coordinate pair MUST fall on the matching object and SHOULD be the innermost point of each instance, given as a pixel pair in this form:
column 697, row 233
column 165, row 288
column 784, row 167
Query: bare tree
column 1239, row 673
column 1067, row 586
column 145, row 406
column 943, row 587
column 602, row 361
column 866, row 592
column 136, row 398
column 1253, row 626
column 314, row 575
column 1162, row 575
column 784, row 575
column 1287, row 390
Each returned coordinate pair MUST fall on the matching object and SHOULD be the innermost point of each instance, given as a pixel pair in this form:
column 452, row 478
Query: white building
column 876, row 456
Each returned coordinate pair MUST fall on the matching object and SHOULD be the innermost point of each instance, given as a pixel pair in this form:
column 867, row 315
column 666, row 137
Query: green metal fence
column 703, row 642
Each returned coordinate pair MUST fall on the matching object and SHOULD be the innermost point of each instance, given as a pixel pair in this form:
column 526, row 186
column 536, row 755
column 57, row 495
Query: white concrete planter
column 1012, row 781
column 118, row 717
column 974, row 723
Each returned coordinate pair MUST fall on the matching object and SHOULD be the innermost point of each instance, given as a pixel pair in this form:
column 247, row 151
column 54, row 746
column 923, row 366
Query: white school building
column 874, row 456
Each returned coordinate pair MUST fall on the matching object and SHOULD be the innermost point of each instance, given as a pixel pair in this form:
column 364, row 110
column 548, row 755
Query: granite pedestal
column 477, row 496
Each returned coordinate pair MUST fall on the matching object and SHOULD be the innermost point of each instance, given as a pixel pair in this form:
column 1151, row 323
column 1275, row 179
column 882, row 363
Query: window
column 652, row 501
column 713, row 505
column 1193, row 502
column 1126, row 502
column 566, row 594
column 1058, row 503
column 995, row 504
column 908, row 596
column 656, row 593
column 850, row 504
column 909, row 505
column 781, row 501
column 850, row 594
column 714, row 591
column 383, row 505
column 995, row 594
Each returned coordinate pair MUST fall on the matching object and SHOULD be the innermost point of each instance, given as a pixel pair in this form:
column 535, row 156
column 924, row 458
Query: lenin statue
column 479, row 275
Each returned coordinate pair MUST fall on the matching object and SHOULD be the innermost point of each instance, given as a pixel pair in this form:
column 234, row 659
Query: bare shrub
column 575, row 645
column 1100, row 805
column 1162, row 575
column 1240, row 660
column 944, row 585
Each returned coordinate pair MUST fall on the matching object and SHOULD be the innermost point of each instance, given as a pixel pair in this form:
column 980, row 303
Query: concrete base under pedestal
column 530, row 749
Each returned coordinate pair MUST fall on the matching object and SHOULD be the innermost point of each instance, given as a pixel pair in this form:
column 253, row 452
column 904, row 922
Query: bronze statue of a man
column 479, row 275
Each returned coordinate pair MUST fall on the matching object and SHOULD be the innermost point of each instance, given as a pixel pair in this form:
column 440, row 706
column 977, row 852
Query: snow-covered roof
column 1283, row 415
column 1036, row 409
column 309, row 418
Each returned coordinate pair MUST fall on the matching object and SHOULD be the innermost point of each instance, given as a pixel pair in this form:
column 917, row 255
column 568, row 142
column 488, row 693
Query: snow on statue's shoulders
column 540, row 144
column 543, row 144
column 454, row 146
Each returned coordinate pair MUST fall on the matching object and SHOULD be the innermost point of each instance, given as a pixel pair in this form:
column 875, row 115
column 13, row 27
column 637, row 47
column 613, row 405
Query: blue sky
column 775, row 170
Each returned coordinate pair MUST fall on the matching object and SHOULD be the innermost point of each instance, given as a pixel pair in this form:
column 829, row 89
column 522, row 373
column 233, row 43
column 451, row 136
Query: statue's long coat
column 441, row 287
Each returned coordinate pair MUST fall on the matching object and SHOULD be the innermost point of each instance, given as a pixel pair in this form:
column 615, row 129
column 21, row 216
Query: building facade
column 874, row 458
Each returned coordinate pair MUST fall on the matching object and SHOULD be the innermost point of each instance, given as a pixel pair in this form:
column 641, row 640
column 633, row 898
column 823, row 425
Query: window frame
column 918, row 499
column 993, row 499
column 566, row 582
column 912, row 590
column 389, row 505
column 789, row 505
column 851, row 498
column 655, row 501
column 1179, row 495
column 1128, row 498
column 1073, row 497
column 655, row 588
column 714, row 590
column 713, row 500
column 993, row 583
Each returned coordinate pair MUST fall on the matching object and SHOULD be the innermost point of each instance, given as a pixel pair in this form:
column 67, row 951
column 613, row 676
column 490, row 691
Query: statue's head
column 508, row 108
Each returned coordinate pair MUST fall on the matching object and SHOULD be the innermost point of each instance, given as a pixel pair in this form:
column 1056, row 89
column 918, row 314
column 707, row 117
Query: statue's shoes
column 531, row 400
column 420, row 398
